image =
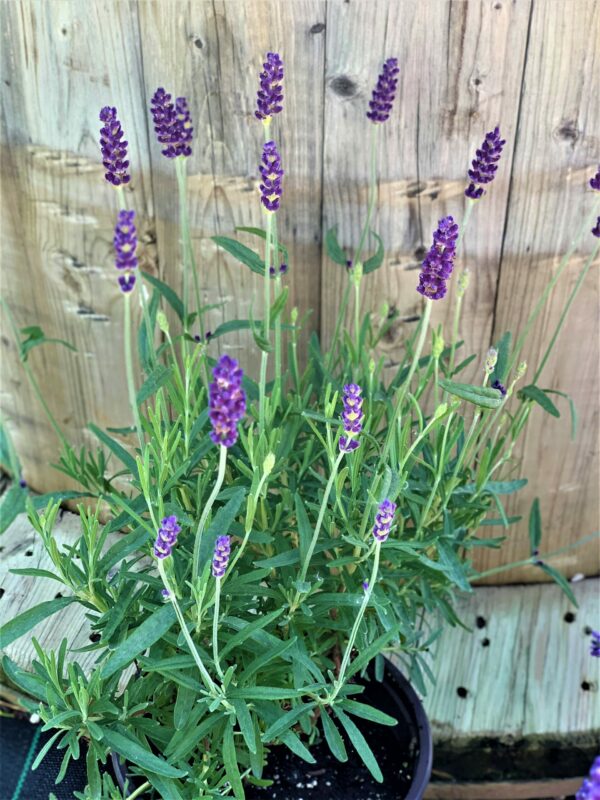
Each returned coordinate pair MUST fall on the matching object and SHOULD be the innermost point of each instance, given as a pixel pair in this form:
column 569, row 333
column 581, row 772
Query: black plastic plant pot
column 403, row 752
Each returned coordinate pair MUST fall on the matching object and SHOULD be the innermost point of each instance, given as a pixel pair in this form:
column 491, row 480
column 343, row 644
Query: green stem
column 406, row 385
column 354, row 632
column 531, row 560
column 129, row 367
column 565, row 312
column 338, row 324
column 206, row 511
column 357, row 319
column 208, row 681
column 189, row 262
column 267, row 323
column 372, row 193
column 542, row 300
column 215, row 629
column 139, row 791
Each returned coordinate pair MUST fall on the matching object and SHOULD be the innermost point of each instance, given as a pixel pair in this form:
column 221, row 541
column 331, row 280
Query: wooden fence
column 530, row 65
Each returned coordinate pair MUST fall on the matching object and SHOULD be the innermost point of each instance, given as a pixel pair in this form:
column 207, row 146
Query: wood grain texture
column 513, row 790
column 58, row 218
column 465, row 66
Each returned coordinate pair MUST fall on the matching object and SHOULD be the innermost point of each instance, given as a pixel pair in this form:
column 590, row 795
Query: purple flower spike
column 485, row 163
column 271, row 173
column 166, row 536
column 383, row 520
column 114, row 150
column 125, row 242
column 221, row 556
column 384, row 92
column 439, row 261
column 227, row 401
column 595, row 181
column 365, row 585
column 172, row 124
column 596, row 228
column 352, row 417
column 590, row 789
column 269, row 98
column 595, row 645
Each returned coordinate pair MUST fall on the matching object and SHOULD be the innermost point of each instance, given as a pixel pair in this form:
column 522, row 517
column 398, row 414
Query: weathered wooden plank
column 220, row 47
column 529, row 790
column 22, row 547
column 525, row 668
column 460, row 74
column 556, row 151
column 61, row 62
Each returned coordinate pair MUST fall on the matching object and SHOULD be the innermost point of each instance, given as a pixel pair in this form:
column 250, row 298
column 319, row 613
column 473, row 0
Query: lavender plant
column 249, row 546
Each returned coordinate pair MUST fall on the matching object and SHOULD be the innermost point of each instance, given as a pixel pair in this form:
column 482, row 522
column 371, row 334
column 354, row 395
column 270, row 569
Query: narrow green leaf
column 169, row 295
column 32, row 684
column 245, row 723
column 334, row 251
column 36, row 573
column 304, row 527
column 21, row 624
column 35, row 337
column 540, row 397
column 503, row 348
column 115, row 448
column 43, row 752
column 241, row 253
column 231, row 764
column 333, row 737
column 561, row 581
column 535, row 525
column 262, row 234
column 12, row 504
column 265, row 693
column 571, row 407
column 286, row 721
column 279, row 304
column 373, row 263
column 157, row 378
column 150, row 631
column 367, row 712
column 360, row 744
column 478, row 395
column 131, row 750
column 249, row 630
column 220, row 525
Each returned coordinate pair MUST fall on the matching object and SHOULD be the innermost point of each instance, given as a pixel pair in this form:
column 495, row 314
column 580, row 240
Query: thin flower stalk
column 264, row 359
column 189, row 261
column 206, row 511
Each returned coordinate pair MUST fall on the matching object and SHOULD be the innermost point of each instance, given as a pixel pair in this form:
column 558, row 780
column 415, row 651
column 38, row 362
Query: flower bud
column 440, row 410
column 437, row 348
column 521, row 370
column 163, row 322
column 462, row 283
column 357, row 273
column 491, row 360
column 269, row 463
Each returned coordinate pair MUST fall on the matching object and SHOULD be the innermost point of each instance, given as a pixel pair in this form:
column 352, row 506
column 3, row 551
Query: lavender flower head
column 227, row 401
column 125, row 242
column 595, row 181
column 172, row 124
column 596, row 228
column 590, row 789
column 166, row 536
column 484, row 165
column 595, row 644
column 439, row 261
column 269, row 98
column 271, row 173
column 384, row 92
column 221, row 556
column 383, row 520
column 114, row 150
column 352, row 417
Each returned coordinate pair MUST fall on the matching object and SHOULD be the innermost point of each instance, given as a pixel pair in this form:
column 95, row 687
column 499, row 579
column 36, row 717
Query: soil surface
column 395, row 749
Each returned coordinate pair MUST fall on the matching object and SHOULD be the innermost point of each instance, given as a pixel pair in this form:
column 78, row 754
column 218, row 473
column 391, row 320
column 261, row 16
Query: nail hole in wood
column 1, row 592
column 485, row 642
column 318, row 27
column 480, row 622
column 58, row 595
column 420, row 252
column 569, row 617
column 344, row 86
column 95, row 637
column 587, row 630
column 462, row 692
column 28, row 552
column 199, row 43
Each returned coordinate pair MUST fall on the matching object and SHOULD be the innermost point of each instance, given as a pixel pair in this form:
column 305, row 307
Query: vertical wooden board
column 61, row 63
column 212, row 52
column 557, row 152
column 460, row 75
